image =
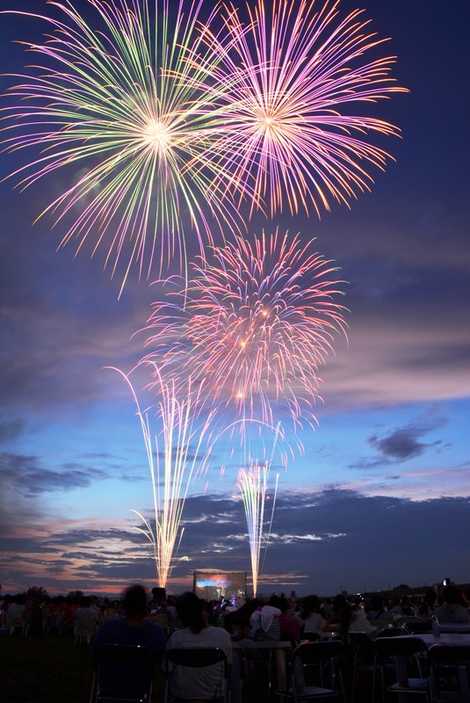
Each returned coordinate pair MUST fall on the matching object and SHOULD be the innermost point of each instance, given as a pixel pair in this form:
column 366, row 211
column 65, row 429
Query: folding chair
column 197, row 658
column 123, row 674
column 363, row 651
column 321, row 662
column 450, row 673
column 403, row 650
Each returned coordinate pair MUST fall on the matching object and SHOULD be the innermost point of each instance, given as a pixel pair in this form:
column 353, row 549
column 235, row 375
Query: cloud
column 25, row 474
column 401, row 444
column 322, row 542
column 10, row 429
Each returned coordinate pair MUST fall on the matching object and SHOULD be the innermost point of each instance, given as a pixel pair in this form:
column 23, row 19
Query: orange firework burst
column 256, row 323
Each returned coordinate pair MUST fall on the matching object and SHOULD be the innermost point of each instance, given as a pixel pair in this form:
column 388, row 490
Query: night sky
column 382, row 494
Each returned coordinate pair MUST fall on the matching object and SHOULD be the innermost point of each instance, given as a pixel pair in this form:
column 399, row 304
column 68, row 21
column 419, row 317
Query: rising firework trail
column 253, row 483
column 298, row 81
column 255, row 323
column 113, row 103
column 178, row 451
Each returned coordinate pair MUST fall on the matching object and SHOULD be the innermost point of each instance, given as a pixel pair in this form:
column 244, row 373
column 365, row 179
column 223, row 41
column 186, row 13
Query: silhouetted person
column 452, row 609
column 133, row 628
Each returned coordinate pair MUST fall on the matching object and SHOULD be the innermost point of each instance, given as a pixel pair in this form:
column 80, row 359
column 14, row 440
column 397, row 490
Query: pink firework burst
column 295, row 82
column 255, row 322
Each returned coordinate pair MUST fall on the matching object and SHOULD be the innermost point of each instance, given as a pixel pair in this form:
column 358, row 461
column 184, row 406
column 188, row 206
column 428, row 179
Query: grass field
column 49, row 671
column 52, row 670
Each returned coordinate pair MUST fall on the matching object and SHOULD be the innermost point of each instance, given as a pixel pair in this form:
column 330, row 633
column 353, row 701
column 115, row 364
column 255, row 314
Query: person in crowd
column 199, row 684
column 428, row 604
column 375, row 609
column 359, row 619
column 16, row 614
column 407, row 608
column 452, row 608
column 340, row 620
column 290, row 625
column 238, row 622
column 133, row 628
column 86, row 620
column 313, row 621
column 264, row 622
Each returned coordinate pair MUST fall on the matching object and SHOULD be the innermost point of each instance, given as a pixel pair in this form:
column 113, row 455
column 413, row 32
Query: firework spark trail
column 291, row 79
column 180, row 452
column 118, row 99
column 253, row 485
column 255, row 323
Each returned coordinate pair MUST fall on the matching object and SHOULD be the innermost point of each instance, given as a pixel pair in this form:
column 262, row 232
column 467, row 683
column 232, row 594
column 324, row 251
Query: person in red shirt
column 291, row 626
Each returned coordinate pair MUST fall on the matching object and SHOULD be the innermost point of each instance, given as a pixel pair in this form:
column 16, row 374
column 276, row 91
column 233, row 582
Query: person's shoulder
column 219, row 633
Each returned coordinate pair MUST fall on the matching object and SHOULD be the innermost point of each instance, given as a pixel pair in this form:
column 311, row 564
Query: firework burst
column 255, row 323
column 117, row 101
column 178, row 452
column 296, row 81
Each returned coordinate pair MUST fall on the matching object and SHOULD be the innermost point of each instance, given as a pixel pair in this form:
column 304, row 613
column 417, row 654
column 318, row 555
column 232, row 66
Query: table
column 454, row 639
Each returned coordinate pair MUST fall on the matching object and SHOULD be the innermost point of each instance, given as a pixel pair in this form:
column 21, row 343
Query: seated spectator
column 310, row 615
column 453, row 608
column 407, row 607
column 359, row 619
column 238, row 621
column 290, row 625
column 264, row 623
column 426, row 608
column 341, row 617
column 197, row 684
column 133, row 628
column 375, row 609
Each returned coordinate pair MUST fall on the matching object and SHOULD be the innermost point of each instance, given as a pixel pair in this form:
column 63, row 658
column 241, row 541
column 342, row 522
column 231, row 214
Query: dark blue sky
column 382, row 493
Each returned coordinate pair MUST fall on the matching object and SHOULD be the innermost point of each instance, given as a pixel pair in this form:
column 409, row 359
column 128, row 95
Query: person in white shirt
column 264, row 622
column 311, row 616
column 205, row 683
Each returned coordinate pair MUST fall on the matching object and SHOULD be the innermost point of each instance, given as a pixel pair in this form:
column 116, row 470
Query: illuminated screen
column 212, row 585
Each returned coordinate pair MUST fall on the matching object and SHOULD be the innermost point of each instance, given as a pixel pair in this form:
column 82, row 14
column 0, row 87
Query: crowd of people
column 161, row 624
column 278, row 617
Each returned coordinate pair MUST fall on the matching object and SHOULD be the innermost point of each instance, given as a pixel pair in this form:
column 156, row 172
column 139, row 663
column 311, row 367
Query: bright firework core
column 157, row 135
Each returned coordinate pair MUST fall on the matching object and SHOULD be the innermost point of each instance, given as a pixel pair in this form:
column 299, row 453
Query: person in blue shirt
column 133, row 628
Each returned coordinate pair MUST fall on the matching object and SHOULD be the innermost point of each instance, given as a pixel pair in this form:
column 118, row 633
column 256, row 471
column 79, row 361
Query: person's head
column 340, row 603
column 311, row 604
column 134, row 602
column 192, row 612
column 375, row 604
column 275, row 601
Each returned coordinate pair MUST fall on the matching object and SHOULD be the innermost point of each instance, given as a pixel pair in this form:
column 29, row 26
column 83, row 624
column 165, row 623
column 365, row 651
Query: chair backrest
column 124, row 672
column 211, row 662
column 196, row 658
column 312, row 653
column 398, row 646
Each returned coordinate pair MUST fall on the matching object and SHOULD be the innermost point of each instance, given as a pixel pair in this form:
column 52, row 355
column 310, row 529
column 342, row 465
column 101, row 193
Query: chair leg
column 93, row 688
